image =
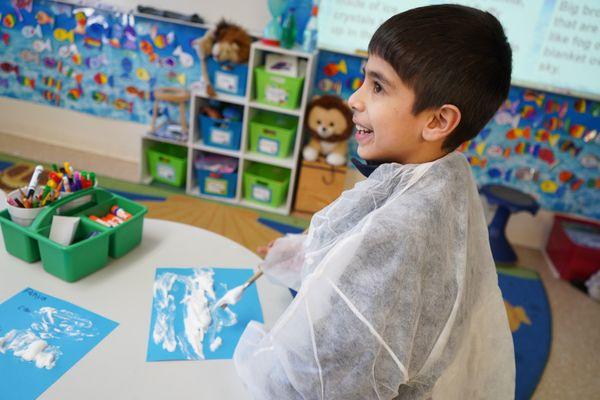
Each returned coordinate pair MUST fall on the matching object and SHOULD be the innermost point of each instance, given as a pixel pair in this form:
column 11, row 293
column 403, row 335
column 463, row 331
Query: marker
column 76, row 182
column 66, row 184
column 12, row 202
column 34, row 181
column 47, row 197
column 54, row 177
column 84, row 180
column 47, row 189
column 57, row 191
column 93, row 178
column 68, row 168
column 54, row 168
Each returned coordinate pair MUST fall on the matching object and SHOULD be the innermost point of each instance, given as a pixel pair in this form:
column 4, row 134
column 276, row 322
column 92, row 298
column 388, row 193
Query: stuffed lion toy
column 225, row 43
column 329, row 122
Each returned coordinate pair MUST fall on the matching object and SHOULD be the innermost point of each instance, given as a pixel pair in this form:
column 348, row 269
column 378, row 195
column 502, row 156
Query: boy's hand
column 264, row 250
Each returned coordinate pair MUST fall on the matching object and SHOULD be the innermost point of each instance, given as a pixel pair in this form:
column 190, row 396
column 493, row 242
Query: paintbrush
column 234, row 295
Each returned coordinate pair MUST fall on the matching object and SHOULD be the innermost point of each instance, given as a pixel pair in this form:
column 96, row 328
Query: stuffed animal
column 225, row 43
column 329, row 122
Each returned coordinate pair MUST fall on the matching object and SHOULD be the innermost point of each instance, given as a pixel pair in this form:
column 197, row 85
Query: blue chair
column 508, row 201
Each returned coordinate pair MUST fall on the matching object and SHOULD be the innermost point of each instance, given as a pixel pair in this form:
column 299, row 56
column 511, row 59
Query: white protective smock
column 399, row 297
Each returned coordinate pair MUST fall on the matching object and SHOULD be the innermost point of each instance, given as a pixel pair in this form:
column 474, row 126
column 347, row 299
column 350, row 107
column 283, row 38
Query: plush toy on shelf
column 329, row 122
column 225, row 43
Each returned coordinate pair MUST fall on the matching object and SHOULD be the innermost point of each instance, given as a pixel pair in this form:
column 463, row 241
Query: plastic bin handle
column 269, row 132
column 50, row 211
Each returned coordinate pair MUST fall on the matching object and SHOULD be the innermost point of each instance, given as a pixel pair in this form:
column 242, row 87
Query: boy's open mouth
column 363, row 134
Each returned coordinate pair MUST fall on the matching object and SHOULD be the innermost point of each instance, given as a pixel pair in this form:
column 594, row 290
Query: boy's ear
column 441, row 123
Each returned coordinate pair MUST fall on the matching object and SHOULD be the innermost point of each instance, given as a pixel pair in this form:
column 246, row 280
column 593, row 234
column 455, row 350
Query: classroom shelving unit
column 244, row 155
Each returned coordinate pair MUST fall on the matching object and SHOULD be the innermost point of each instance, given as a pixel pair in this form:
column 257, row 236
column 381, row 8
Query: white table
column 122, row 291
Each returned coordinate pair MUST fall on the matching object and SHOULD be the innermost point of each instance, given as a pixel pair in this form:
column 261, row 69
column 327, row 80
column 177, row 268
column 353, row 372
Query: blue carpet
column 4, row 165
column 279, row 227
column 532, row 331
column 137, row 196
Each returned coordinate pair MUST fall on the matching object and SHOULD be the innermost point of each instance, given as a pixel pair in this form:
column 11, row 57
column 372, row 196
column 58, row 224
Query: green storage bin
column 167, row 163
column 81, row 258
column 266, row 184
column 125, row 236
column 85, row 255
column 277, row 90
column 17, row 241
column 273, row 134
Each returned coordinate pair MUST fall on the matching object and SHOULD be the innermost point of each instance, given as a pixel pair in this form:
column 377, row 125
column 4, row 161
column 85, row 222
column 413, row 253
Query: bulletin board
column 96, row 61
column 547, row 145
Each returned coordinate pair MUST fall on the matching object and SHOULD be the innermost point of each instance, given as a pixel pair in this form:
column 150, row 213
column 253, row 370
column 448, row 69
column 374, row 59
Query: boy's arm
column 284, row 260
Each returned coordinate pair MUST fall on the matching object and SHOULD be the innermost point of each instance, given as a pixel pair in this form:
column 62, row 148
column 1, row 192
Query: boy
column 398, row 296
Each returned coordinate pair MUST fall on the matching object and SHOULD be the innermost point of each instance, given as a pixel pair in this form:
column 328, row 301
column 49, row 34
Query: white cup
column 21, row 216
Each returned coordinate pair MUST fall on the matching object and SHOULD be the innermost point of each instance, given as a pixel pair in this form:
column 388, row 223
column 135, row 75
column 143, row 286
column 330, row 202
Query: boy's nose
column 355, row 103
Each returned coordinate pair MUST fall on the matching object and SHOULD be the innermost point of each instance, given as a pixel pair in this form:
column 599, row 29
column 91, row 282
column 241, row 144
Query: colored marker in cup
column 34, row 181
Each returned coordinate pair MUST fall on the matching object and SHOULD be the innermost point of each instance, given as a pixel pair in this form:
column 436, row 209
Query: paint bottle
column 288, row 30
column 309, row 41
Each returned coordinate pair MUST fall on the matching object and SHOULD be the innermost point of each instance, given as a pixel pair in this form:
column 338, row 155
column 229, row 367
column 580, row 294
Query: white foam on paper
column 31, row 344
column 200, row 318
column 231, row 297
column 215, row 344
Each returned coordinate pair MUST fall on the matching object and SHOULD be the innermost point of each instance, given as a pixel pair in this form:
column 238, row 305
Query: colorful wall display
column 107, row 63
column 95, row 61
column 544, row 144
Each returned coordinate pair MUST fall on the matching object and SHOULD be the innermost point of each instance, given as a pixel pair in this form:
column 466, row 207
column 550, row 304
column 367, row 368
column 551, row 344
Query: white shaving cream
column 200, row 318
column 215, row 344
column 31, row 344
column 231, row 297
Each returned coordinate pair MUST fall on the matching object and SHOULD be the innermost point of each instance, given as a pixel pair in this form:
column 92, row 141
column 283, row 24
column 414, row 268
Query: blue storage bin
column 220, row 133
column 228, row 78
column 216, row 183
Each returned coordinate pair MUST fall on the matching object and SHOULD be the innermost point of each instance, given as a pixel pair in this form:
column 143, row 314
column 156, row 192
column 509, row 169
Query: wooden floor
column 236, row 223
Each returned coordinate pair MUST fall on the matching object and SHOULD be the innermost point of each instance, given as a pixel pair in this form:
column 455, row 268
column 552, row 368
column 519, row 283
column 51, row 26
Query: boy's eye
column 377, row 87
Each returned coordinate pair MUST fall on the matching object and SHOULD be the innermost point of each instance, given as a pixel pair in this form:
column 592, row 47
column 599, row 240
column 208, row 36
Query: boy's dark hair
column 449, row 54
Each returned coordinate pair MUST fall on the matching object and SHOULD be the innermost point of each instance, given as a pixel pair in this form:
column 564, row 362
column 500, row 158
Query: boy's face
column 386, row 129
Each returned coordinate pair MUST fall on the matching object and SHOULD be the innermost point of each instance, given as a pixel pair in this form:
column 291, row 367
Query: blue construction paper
column 246, row 310
column 72, row 330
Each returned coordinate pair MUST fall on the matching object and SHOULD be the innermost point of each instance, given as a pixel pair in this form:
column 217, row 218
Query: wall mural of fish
column 105, row 64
